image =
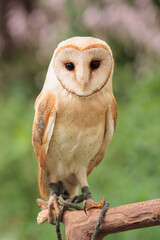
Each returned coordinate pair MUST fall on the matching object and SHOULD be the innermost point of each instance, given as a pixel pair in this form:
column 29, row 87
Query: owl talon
column 78, row 198
column 84, row 207
column 90, row 203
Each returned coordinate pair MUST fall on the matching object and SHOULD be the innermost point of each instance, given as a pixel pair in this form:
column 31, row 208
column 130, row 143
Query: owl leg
column 88, row 202
column 53, row 202
column 56, row 190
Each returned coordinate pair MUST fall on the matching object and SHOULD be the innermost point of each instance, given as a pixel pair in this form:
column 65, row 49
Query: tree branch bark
column 79, row 226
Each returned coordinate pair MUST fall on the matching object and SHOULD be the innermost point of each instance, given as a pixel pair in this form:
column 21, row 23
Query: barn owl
column 75, row 118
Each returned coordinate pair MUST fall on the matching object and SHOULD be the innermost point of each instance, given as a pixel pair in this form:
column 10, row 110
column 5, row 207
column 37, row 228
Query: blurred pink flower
column 16, row 22
column 138, row 23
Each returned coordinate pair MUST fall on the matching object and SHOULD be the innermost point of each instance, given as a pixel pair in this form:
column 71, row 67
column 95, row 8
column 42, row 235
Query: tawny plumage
column 75, row 114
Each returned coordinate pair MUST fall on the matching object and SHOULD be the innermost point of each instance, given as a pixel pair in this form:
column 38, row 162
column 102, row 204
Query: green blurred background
column 29, row 32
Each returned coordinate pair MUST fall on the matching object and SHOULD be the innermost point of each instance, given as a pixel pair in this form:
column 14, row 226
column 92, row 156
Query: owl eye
column 69, row 66
column 95, row 64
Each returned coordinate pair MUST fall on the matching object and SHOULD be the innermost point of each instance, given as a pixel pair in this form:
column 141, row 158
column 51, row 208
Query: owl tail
column 43, row 182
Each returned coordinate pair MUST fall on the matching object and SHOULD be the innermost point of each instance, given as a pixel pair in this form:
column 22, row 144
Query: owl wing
column 43, row 126
column 110, row 125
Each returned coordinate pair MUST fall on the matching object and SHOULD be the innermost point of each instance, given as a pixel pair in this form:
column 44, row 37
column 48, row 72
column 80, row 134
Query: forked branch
column 79, row 226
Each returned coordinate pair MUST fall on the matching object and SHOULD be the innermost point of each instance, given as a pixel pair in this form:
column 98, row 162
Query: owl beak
column 83, row 81
column 82, row 76
column 83, row 85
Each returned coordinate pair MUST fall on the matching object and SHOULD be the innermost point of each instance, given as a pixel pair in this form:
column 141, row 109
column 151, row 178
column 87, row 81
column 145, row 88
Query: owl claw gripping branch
column 75, row 118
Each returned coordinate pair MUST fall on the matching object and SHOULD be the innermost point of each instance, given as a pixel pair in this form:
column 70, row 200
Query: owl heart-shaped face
column 83, row 69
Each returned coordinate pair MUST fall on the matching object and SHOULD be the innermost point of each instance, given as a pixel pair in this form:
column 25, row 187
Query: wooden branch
column 127, row 217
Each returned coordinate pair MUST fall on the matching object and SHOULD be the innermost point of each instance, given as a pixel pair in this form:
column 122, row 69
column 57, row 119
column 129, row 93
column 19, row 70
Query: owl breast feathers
column 75, row 113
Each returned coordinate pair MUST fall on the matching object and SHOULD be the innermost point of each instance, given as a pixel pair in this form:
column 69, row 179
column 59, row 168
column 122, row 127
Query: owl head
column 82, row 65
